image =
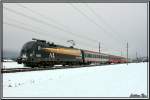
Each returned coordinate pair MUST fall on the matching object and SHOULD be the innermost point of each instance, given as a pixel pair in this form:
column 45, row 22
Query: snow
column 8, row 60
column 12, row 65
column 15, row 65
column 99, row 81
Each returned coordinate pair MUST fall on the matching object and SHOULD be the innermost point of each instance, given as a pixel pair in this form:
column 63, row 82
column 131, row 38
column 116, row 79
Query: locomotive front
column 31, row 52
column 25, row 51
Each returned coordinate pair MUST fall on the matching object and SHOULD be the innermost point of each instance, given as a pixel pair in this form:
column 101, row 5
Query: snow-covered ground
column 99, row 81
column 12, row 65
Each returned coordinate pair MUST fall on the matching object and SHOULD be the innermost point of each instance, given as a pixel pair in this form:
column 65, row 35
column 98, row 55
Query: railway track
column 14, row 70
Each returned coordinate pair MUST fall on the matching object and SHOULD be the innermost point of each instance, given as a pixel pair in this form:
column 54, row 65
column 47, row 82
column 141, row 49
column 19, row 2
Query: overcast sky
column 111, row 24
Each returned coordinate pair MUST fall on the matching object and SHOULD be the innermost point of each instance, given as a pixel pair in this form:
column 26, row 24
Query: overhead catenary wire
column 92, row 21
column 41, row 15
column 43, row 23
column 37, row 20
column 24, row 28
column 31, row 30
column 58, row 23
column 54, row 26
column 43, row 31
column 102, row 19
column 36, row 32
column 114, row 35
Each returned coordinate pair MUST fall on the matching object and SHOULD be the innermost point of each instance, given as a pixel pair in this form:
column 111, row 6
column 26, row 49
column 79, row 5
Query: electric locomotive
column 41, row 53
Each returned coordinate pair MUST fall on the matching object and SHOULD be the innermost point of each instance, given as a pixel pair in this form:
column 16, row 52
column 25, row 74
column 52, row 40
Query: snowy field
column 99, row 81
column 12, row 65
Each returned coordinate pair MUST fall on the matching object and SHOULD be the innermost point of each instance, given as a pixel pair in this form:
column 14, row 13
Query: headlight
column 24, row 56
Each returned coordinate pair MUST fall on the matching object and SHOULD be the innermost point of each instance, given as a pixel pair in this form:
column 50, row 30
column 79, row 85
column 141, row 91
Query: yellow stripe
column 67, row 51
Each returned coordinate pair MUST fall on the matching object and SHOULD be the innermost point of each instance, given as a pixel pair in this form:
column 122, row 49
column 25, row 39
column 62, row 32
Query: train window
column 38, row 55
column 84, row 55
column 106, row 57
column 90, row 55
column 31, row 54
column 39, row 47
column 103, row 57
column 24, row 56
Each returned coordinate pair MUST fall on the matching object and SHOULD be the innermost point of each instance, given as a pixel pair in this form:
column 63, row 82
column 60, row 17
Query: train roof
column 61, row 46
column 103, row 53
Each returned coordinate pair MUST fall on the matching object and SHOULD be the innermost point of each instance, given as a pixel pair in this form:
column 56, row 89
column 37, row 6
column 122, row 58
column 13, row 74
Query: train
column 40, row 53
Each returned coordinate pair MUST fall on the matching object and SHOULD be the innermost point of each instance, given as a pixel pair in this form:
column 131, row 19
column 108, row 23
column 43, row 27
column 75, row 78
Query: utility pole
column 99, row 47
column 99, row 51
column 127, row 53
column 136, row 56
column 121, row 52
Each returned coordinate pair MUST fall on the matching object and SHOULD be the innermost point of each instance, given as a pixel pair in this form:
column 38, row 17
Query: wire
column 43, row 31
column 102, row 19
column 91, row 20
column 61, row 29
column 24, row 28
column 34, row 20
column 31, row 30
column 46, row 33
column 49, row 18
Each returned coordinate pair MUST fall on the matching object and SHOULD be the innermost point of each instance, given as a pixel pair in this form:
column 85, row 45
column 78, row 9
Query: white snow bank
column 12, row 65
column 100, row 81
column 8, row 60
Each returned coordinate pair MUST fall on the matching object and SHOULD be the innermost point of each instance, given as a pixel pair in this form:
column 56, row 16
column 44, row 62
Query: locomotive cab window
column 39, row 47
column 38, row 55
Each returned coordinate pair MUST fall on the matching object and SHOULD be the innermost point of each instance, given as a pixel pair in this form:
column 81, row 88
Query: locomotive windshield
column 28, row 45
